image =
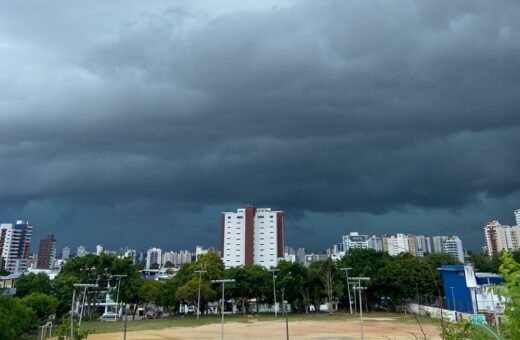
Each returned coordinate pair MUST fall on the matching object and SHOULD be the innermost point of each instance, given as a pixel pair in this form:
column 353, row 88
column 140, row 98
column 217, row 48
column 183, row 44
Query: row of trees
column 394, row 280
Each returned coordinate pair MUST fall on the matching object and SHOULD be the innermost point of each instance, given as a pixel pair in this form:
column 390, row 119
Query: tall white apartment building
column 99, row 249
column 453, row 246
column 153, row 256
column 438, row 241
column 423, row 245
column 15, row 240
column 517, row 217
column 65, row 253
column 81, row 251
column 397, row 244
column 252, row 236
column 355, row 241
column 501, row 237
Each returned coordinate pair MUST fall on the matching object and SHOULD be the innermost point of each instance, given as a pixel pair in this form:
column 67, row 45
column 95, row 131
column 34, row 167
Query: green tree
column 33, row 283
column 485, row 263
column 330, row 280
column 15, row 318
column 150, row 292
column 189, row 292
column 43, row 305
column 98, row 270
column 510, row 271
column 401, row 278
column 293, row 277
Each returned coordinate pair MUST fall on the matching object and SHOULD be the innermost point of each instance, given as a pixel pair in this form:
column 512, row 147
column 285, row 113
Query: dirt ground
column 315, row 329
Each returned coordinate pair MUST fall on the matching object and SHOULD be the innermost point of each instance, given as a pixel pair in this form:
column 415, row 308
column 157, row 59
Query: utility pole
column 72, row 314
column 223, row 282
column 346, row 269
column 274, row 289
column 198, row 300
column 84, row 286
column 284, row 310
column 117, row 298
column 360, row 288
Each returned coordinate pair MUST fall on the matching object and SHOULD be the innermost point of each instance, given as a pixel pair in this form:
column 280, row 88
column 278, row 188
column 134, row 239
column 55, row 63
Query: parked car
column 108, row 316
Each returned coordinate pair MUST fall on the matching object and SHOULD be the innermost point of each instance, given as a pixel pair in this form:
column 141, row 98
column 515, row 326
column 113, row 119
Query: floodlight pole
column 359, row 288
column 198, row 300
column 348, row 289
column 117, row 296
column 72, row 314
column 84, row 286
column 223, row 282
column 274, row 270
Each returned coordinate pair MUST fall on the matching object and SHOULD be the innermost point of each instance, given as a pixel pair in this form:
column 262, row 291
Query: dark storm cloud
column 126, row 116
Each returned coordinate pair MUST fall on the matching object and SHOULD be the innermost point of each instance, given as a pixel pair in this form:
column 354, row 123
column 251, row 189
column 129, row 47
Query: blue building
column 466, row 291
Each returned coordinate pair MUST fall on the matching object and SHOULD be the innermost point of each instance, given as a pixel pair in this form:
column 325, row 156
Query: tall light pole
column 198, row 300
column 284, row 310
column 84, row 286
column 346, row 269
column 274, row 270
column 453, row 299
column 117, row 298
column 223, row 282
column 72, row 314
column 359, row 288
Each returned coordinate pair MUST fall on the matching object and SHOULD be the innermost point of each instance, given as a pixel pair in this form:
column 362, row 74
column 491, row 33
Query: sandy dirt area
column 319, row 330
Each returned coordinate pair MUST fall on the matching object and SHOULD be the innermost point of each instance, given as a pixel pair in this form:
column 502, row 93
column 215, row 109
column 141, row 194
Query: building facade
column 46, row 253
column 501, row 237
column 397, row 244
column 153, row 256
column 252, row 236
column 517, row 217
column 65, row 253
column 15, row 241
column 453, row 246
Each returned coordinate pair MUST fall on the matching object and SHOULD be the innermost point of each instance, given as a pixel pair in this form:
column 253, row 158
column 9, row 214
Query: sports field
column 323, row 327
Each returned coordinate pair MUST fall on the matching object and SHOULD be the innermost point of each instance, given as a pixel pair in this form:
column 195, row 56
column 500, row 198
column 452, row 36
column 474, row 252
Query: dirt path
column 319, row 330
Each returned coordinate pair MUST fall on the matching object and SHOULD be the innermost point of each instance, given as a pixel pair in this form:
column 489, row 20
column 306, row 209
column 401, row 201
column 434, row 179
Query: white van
column 108, row 316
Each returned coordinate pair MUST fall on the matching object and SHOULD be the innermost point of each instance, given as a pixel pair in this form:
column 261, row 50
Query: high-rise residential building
column 15, row 241
column 46, row 253
column 65, row 253
column 412, row 249
column 199, row 250
column 517, row 217
column 300, row 255
column 423, row 245
column 397, row 244
column 153, row 256
column 501, row 237
column 355, row 241
column 453, row 246
column 99, row 249
column 438, row 241
column 81, row 251
column 252, row 236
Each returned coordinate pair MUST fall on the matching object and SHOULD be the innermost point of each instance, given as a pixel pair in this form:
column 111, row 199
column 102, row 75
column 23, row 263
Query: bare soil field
column 375, row 328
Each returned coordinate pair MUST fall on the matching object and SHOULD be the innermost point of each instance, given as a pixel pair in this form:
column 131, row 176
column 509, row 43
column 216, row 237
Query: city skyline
column 137, row 123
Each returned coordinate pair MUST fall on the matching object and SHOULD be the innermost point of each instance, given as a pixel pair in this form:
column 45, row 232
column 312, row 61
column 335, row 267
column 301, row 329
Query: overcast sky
column 135, row 123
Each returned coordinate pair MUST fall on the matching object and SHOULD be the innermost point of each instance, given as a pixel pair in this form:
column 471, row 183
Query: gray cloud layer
column 121, row 118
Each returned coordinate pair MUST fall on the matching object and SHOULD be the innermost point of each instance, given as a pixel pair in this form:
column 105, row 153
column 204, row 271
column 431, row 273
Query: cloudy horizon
column 135, row 124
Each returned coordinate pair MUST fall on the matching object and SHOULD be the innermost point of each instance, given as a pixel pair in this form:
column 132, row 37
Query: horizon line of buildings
column 250, row 236
column 417, row 245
